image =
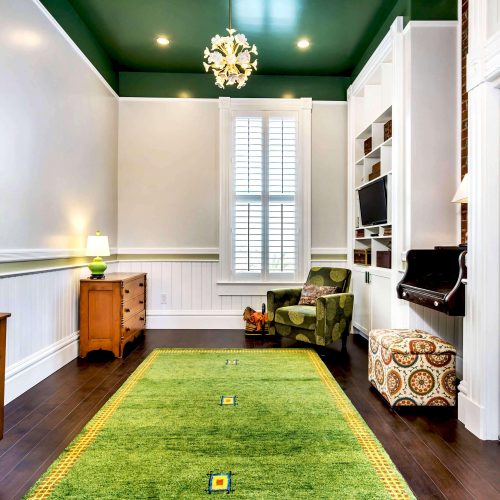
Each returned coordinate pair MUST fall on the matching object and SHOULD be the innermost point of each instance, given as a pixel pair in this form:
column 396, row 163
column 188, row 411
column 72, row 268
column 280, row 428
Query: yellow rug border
column 392, row 480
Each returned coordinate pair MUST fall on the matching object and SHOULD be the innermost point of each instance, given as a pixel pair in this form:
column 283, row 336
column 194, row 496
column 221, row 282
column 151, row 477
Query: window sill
column 253, row 287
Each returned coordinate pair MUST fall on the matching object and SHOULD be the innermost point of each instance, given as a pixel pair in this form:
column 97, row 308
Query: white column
column 479, row 396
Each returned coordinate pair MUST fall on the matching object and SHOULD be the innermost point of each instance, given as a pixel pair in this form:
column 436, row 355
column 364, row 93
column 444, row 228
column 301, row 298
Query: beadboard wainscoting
column 183, row 294
column 42, row 333
column 448, row 328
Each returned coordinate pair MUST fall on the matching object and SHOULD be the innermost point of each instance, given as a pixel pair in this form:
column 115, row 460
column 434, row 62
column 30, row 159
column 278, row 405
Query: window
column 266, row 185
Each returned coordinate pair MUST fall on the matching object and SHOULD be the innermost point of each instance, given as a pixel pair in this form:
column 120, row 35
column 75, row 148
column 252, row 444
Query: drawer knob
column 142, row 319
column 127, row 291
column 141, row 302
column 127, row 310
column 141, row 284
column 436, row 303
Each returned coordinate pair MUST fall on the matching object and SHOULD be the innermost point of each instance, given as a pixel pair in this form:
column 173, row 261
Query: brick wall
column 464, row 149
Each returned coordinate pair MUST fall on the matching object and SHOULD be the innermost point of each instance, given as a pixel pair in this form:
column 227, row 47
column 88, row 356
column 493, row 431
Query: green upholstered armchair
column 327, row 321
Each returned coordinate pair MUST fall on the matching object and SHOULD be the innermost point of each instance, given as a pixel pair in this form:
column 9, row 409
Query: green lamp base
column 97, row 268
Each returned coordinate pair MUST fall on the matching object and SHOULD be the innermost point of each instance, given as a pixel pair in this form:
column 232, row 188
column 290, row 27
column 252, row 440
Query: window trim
column 303, row 107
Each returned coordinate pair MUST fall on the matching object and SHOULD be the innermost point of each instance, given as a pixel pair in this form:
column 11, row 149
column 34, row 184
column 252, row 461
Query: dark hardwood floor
column 435, row 453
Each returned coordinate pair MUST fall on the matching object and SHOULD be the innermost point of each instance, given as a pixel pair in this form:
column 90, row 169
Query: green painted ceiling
column 118, row 36
column 339, row 31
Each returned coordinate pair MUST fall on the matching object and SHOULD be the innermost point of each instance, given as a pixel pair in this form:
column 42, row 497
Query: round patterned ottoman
column 412, row 368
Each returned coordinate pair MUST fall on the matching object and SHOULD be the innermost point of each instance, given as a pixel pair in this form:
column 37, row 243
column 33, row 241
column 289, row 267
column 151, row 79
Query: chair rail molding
column 478, row 399
column 27, row 254
column 169, row 251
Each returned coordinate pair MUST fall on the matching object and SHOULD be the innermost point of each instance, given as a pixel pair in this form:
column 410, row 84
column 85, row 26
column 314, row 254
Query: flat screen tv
column 373, row 203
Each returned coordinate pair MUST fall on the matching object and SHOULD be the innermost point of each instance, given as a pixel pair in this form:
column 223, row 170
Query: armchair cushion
column 297, row 316
column 310, row 293
column 281, row 297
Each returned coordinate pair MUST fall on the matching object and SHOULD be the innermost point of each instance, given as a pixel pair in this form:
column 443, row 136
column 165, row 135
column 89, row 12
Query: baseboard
column 472, row 415
column 223, row 320
column 28, row 372
column 360, row 330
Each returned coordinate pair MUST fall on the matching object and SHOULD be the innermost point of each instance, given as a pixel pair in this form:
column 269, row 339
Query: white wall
column 58, row 170
column 168, row 195
column 329, row 175
column 58, row 136
column 169, row 201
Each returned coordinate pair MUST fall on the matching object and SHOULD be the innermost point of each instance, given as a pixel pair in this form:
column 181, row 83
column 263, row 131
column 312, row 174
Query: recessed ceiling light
column 303, row 43
column 162, row 40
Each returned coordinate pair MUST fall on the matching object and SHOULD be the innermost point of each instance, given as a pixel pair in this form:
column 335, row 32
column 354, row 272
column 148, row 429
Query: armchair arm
column 279, row 298
column 333, row 317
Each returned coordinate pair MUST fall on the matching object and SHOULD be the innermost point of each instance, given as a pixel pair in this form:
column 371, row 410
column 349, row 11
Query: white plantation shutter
column 264, row 232
column 282, row 178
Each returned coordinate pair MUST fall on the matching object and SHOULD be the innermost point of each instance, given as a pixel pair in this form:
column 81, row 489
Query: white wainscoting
column 190, row 289
column 42, row 333
column 192, row 300
column 448, row 328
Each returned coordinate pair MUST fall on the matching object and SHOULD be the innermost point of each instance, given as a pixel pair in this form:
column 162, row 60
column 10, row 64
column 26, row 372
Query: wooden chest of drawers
column 112, row 312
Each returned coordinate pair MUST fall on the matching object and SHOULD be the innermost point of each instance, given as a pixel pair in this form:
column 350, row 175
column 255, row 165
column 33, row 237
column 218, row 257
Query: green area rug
column 290, row 432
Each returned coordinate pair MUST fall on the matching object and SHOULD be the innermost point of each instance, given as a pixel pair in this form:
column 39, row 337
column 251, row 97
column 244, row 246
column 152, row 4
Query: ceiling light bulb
column 303, row 43
column 162, row 40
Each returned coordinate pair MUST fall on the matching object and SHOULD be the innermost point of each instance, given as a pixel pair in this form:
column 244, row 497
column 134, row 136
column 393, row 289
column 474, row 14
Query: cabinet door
column 361, row 290
column 100, row 320
column 380, row 287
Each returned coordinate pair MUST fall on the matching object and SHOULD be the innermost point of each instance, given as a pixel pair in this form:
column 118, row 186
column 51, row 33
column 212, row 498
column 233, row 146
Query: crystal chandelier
column 230, row 60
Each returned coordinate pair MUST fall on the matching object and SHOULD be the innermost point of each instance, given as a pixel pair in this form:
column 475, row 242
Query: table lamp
column 462, row 194
column 97, row 247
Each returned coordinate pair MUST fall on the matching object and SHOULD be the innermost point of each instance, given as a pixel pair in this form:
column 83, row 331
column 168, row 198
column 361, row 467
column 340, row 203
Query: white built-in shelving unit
column 410, row 80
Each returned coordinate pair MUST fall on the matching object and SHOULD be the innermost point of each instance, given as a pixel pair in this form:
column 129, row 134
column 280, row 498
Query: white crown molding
column 169, row 251
column 266, row 104
column 483, row 64
column 429, row 24
column 381, row 53
column 328, row 103
column 212, row 100
column 483, row 59
column 74, row 46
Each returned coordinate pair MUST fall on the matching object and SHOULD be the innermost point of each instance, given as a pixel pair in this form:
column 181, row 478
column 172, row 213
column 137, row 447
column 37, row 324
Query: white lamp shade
column 462, row 194
column 98, row 246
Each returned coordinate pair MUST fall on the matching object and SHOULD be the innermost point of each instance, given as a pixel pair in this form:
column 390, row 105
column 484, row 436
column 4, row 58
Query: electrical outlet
column 163, row 298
